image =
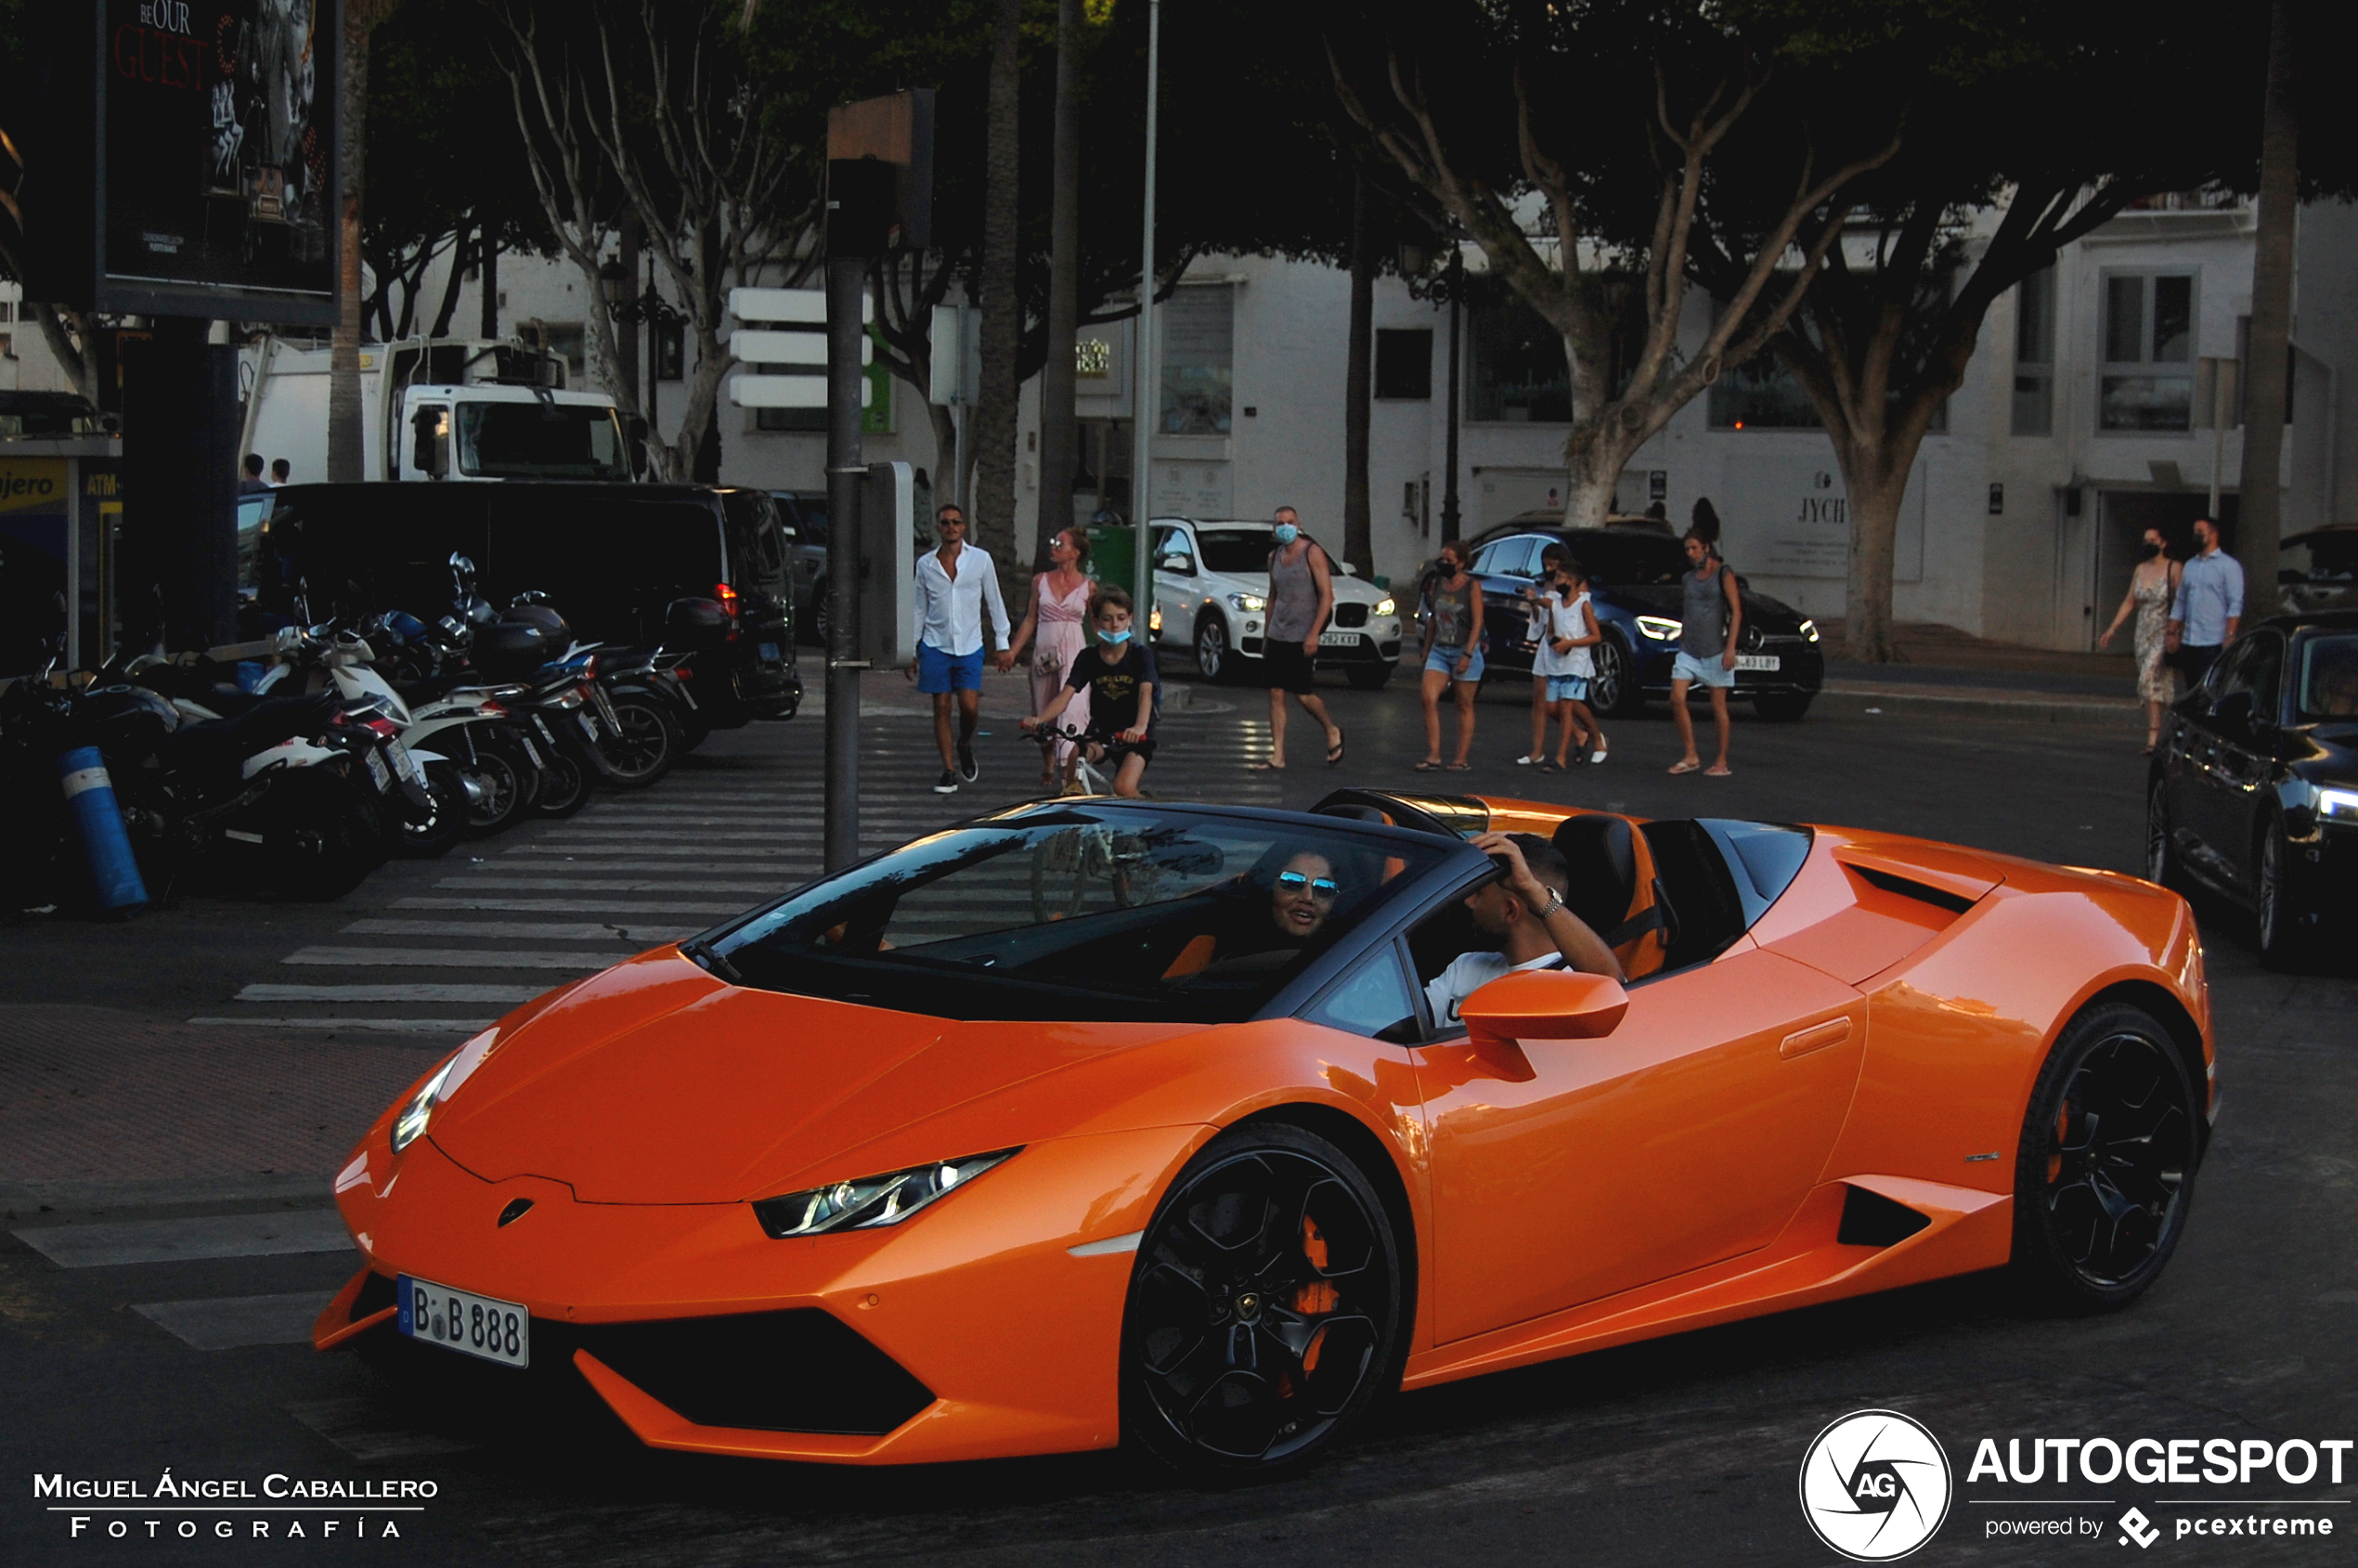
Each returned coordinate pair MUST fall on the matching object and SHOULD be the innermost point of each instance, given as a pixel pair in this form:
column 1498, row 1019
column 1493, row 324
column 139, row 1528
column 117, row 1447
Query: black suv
column 2254, row 787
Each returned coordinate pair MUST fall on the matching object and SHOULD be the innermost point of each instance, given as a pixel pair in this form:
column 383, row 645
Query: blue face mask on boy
column 1116, row 638
column 1288, row 533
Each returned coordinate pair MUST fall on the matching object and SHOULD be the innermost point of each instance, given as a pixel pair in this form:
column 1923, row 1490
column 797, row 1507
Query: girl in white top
column 1561, row 670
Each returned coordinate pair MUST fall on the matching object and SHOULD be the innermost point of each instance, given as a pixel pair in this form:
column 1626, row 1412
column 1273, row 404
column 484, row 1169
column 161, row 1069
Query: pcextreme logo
column 1875, row 1485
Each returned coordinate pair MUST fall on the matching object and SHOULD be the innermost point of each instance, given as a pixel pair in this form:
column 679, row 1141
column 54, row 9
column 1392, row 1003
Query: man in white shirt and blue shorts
column 955, row 584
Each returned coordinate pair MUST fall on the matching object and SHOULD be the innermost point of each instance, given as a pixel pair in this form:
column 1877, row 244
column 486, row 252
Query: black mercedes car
column 2254, row 788
column 1634, row 573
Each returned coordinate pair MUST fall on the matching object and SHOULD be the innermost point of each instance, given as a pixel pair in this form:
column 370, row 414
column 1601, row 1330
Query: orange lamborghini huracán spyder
column 1100, row 1120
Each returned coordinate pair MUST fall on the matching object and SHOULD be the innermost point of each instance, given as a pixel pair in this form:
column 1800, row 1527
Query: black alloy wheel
column 565, row 785
column 2276, row 914
column 1266, row 1308
column 647, row 742
column 445, row 820
column 1614, row 692
column 502, row 789
column 1213, row 660
column 2105, row 1170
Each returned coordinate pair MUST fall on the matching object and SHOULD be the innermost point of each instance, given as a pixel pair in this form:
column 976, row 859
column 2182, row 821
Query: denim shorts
column 939, row 672
column 1444, row 661
column 1567, row 687
column 1700, row 672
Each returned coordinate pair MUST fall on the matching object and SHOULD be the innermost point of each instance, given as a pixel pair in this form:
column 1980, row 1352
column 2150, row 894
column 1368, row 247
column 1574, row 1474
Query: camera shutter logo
column 1875, row 1485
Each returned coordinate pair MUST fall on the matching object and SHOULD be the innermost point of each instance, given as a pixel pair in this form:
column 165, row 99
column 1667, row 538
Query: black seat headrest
column 1601, row 851
column 1356, row 812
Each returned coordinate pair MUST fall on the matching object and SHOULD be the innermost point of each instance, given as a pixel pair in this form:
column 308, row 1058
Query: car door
column 2244, row 732
column 1568, row 1171
column 1179, row 589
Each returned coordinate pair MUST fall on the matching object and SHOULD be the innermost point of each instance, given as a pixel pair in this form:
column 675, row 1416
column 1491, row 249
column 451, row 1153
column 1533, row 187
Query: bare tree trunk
column 346, row 445
column 449, row 308
column 1059, row 431
column 1877, row 480
column 490, row 285
column 1358, row 389
column 2258, row 521
column 1002, row 329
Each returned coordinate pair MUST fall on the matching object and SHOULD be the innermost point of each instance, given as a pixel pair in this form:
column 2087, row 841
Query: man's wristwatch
column 1555, row 901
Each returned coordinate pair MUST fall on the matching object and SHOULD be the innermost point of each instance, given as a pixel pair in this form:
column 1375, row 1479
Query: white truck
column 446, row 408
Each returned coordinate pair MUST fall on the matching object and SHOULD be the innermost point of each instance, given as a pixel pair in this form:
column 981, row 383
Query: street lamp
column 650, row 307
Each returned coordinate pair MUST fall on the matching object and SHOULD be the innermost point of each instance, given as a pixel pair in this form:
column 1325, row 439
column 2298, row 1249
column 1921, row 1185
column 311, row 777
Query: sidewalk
column 1939, row 670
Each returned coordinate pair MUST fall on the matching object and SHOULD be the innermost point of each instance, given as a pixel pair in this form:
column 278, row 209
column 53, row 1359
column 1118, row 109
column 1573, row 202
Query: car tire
column 2279, row 927
column 1216, row 657
column 1370, row 677
column 2162, row 845
column 1613, row 690
column 1783, row 707
column 1271, row 1251
column 2105, row 1172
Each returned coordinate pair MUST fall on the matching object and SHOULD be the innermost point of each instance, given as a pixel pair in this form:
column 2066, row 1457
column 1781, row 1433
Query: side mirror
column 1348, row 569
column 1178, row 563
column 1544, row 1005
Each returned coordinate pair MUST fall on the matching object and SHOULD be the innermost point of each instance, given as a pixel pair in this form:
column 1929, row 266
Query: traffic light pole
column 847, row 282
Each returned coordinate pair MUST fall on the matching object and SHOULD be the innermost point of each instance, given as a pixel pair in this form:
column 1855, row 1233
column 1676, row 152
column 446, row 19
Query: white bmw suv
column 1211, row 588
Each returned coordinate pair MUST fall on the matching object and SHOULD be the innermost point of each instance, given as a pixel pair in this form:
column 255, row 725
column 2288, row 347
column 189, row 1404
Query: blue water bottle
column 114, row 872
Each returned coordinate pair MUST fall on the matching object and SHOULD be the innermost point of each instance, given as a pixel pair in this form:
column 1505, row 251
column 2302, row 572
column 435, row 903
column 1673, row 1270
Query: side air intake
column 1869, row 1218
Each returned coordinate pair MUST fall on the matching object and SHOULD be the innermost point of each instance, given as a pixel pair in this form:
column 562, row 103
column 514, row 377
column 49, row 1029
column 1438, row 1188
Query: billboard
column 185, row 159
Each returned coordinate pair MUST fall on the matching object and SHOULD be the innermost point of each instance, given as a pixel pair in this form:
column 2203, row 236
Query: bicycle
column 1086, row 775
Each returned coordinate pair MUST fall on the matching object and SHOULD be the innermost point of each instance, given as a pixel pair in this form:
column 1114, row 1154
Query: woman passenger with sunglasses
column 1303, row 896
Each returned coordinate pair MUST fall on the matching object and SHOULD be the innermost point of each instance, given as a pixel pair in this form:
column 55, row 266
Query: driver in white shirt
column 1524, row 911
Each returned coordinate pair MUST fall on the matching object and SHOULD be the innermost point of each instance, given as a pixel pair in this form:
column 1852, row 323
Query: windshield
column 539, row 441
column 2326, row 686
column 1235, row 551
column 1628, row 560
column 1101, row 913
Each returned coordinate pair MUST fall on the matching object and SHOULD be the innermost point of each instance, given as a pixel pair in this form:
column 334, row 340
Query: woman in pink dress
column 1057, row 627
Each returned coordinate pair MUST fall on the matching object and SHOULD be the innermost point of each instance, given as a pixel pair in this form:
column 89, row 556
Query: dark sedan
column 1634, row 575
column 2254, row 788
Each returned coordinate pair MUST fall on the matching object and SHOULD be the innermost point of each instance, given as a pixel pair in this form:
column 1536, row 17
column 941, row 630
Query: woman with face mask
column 2152, row 588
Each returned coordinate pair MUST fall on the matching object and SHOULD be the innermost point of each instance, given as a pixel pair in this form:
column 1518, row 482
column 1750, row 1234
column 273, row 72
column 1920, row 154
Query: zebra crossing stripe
column 507, row 995
column 445, row 958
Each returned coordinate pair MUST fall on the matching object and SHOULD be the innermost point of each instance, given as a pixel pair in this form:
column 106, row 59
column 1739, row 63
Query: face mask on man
column 1288, row 533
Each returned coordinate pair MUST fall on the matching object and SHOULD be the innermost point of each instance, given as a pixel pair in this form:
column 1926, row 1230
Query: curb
column 2031, row 707
column 298, row 1190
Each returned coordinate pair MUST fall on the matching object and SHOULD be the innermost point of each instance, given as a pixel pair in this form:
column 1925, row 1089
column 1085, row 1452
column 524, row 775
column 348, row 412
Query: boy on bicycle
column 1124, row 695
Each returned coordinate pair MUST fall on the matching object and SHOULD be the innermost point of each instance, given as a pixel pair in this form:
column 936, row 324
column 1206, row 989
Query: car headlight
column 1810, row 629
column 1386, row 607
column 1661, row 628
column 872, row 1200
column 2337, row 805
column 410, row 1125
column 1250, row 604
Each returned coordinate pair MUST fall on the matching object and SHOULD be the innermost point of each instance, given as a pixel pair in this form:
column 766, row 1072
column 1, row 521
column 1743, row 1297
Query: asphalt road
column 1683, row 1450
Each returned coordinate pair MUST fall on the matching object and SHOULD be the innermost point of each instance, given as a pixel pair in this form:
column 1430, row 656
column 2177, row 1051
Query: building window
column 1516, row 370
column 1404, row 362
column 2148, row 327
column 1761, row 394
column 2035, row 354
column 1198, row 360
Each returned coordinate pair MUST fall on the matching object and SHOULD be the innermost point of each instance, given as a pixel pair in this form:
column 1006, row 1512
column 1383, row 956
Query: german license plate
column 463, row 1321
column 1758, row 661
column 768, row 652
column 1338, row 639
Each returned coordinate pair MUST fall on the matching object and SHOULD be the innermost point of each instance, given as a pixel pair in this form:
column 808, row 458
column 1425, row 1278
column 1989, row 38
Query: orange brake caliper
column 1318, row 1296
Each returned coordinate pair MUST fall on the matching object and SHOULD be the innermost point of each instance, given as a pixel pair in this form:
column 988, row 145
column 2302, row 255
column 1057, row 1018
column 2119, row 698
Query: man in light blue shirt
column 2211, row 605
column 955, row 585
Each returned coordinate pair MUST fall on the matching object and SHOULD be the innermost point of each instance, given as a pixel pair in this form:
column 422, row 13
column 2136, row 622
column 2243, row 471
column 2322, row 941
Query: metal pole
column 847, row 277
column 1449, row 529
column 1146, row 404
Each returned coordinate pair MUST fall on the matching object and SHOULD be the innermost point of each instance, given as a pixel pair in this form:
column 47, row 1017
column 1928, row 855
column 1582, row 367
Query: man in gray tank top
column 1301, row 595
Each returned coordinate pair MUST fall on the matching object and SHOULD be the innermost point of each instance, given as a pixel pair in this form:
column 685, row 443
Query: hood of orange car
column 656, row 1082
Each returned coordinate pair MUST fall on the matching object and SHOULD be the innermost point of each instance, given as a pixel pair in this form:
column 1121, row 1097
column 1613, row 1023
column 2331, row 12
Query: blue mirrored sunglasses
column 1294, row 882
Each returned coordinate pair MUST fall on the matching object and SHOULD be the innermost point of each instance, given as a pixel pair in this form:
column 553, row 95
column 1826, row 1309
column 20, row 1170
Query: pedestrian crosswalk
column 457, row 942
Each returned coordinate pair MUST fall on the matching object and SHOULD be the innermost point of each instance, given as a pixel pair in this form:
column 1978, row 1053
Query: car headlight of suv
column 1810, row 629
column 1250, row 604
column 2337, row 805
column 1661, row 628
column 410, row 1125
column 1386, row 607
column 871, row 1201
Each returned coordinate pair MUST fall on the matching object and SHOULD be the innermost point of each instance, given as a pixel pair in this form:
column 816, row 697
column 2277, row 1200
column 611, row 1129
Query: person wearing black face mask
column 2152, row 587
